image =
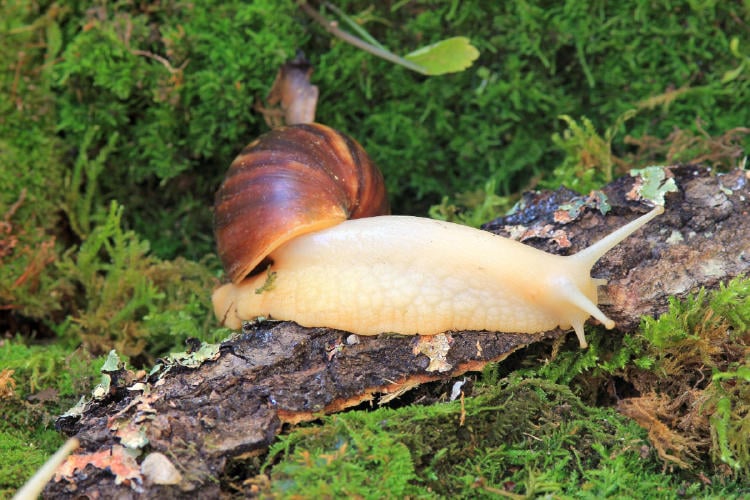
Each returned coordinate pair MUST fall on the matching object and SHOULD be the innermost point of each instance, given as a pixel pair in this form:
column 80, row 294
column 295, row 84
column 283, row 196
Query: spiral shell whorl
column 291, row 181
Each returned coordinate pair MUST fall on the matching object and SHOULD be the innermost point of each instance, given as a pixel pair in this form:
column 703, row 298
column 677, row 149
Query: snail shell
column 291, row 181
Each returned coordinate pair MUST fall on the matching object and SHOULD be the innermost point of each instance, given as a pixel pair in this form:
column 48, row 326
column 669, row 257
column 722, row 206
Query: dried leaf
column 159, row 470
column 7, row 384
column 670, row 445
column 116, row 459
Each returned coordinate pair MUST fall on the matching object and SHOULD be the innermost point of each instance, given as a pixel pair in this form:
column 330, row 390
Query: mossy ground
column 117, row 121
column 524, row 437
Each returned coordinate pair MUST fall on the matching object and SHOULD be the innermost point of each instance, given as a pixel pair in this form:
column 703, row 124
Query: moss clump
column 131, row 300
column 32, row 165
column 23, row 451
column 538, row 62
column 683, row 377
column 62, row 374
column 698, row 384
column 36, row 384
column 177, row 85
column 521, row 437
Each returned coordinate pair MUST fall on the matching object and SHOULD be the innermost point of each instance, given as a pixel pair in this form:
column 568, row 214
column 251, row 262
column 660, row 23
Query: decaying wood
column 234, row 404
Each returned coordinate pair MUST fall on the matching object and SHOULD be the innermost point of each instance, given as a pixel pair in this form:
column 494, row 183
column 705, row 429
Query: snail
column 342, row 263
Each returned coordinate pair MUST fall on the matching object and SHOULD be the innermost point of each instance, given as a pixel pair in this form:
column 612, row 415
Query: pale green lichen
column 188, row 359
column 570, row 211
column 653, row 184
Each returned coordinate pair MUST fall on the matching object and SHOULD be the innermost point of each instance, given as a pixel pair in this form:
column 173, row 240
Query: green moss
column 177, row 84
column 67, row 372
column 161, row 80
column 525, row 437
column 710, row 334
column 22, row 453
column 132, row 301
column 49, row 379
column 31, row 163
column 30, row 158
column 688, row 369
column 589, row 161
column 473, row 208
column 538, row 61
column 350, row 462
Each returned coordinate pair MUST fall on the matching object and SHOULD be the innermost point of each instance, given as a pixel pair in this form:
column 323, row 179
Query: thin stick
column 333, row 28
column 354, row 26
column 34, row 486
column 162, row 60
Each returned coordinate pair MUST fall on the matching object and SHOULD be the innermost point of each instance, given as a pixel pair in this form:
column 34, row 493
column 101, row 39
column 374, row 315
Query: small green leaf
column 732, row 74
column 743, row 373
column 446, row 56
column 734, row 46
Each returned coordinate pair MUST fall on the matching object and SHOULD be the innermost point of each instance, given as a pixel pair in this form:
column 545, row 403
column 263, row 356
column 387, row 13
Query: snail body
column 412, row 275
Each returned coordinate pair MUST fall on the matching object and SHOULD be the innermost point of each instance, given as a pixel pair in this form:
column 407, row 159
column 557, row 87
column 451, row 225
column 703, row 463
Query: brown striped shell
column 291, row 181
